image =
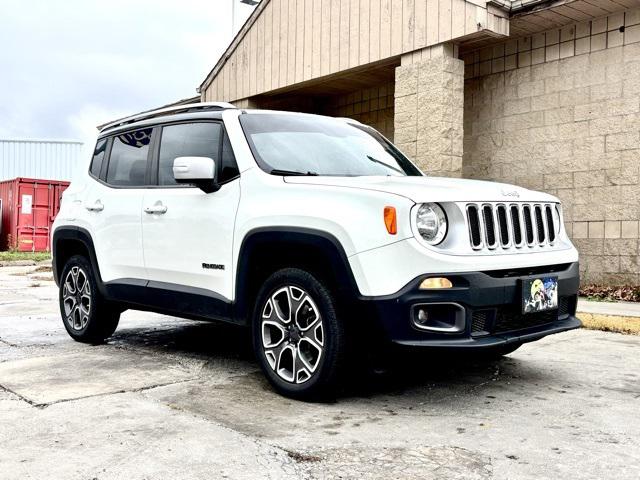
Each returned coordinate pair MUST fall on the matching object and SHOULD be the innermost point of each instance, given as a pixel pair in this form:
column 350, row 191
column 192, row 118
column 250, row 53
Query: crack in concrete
column 2, row 340
column 42, row 406
column 287, row 459
column 16, row 394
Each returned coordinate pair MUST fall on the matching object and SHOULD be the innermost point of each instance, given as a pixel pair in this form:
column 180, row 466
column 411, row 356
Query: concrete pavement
column 169, row 398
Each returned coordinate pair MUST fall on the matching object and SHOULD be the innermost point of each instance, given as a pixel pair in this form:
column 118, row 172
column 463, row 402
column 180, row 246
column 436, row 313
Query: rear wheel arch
column 266, row 250
column 70, row 241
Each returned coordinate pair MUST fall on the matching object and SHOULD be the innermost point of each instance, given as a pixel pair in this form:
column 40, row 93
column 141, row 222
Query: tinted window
column 310, row 144
column 128, row 159
column 98, row 157
column 187, row 140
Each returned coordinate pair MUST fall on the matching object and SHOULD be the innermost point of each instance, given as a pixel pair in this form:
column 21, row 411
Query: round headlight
column 431, row 223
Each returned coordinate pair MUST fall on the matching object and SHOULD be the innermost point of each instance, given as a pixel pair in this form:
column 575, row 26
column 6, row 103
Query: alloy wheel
column 292, row 334
column 76, row 298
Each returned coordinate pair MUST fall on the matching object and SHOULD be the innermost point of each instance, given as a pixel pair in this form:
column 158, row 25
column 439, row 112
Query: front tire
column 297, row 337
column 87, row 317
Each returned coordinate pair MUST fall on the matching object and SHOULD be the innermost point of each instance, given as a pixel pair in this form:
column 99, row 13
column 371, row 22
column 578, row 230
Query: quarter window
column 98, row 157
column 128, row 159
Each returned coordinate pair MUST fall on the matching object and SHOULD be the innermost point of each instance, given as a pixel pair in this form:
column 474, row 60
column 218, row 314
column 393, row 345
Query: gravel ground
column 169, row 398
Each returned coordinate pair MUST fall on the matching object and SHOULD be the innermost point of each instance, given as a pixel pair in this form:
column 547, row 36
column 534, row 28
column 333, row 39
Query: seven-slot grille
column 507, row 225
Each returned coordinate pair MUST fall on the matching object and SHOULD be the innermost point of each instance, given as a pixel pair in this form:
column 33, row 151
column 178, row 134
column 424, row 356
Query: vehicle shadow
column 205, row 340
column 394, row 374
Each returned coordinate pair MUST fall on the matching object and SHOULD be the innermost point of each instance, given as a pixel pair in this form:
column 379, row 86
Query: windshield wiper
column 375, row 160
column 277, row 171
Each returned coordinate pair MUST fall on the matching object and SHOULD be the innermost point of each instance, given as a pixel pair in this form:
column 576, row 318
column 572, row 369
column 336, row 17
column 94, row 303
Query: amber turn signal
column 390, row 220
column 435, row 283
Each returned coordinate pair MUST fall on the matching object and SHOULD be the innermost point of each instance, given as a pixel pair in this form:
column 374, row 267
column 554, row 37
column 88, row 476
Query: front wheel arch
column 266, row 250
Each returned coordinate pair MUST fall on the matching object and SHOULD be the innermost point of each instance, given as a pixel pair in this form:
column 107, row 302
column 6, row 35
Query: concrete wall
column 429, row 108
column 560, row 112
column 371, row 106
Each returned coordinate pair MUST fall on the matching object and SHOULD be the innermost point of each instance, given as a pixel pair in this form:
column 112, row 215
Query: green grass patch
column 34, row 256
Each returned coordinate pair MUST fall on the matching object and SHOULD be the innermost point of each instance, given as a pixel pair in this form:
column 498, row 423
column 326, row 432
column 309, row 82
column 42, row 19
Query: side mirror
column 199, row 171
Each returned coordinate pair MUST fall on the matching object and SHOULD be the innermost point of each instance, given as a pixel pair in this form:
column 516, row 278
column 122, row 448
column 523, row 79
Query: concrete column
column 429, row 107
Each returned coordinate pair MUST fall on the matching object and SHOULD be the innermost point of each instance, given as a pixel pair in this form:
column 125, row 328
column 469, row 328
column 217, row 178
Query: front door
column 188, row 234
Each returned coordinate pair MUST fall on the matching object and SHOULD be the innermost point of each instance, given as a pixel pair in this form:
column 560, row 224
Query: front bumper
column 492, row 309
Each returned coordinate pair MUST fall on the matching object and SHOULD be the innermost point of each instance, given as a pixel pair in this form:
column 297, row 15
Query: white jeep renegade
column 316, row 232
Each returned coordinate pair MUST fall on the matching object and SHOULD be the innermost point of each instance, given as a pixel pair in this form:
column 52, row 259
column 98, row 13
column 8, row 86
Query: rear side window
column 195, row 140
column 98, row 157
column 128, row 159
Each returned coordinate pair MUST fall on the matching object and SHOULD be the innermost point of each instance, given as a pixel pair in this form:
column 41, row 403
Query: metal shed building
column 43, row 159
column 541, row 93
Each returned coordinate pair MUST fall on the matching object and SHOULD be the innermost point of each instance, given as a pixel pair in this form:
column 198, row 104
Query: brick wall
column 560, row 112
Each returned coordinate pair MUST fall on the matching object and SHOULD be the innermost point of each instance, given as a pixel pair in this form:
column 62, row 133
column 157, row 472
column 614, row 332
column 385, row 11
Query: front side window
column 315, row 145
column 128, row 159
column 195, row 140
column 98, row 157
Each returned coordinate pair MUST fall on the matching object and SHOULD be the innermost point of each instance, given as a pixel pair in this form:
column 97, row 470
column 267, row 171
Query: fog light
column 435, row 283
column 423, row 317
column 439, row 317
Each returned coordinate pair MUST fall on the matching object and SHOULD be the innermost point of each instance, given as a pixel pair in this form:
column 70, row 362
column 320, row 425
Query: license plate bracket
column 539, row 294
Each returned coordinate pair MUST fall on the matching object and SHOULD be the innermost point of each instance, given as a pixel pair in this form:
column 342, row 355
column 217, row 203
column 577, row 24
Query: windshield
column 285, row 144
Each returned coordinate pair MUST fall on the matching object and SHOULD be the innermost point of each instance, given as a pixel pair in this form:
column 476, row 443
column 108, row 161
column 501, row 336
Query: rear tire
column 297, row 337
column 86, row 315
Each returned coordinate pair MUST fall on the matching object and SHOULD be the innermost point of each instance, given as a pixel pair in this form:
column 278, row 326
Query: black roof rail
column 191, row 107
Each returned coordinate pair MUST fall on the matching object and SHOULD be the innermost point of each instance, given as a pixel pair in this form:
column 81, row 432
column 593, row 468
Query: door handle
column 95, row 207
column 158, row 208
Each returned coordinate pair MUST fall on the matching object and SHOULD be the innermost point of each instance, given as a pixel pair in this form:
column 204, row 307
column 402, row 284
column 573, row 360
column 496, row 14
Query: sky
column 69, row 65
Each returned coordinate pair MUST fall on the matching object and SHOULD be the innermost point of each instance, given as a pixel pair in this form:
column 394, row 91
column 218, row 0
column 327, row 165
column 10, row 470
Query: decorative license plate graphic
column 539, row 294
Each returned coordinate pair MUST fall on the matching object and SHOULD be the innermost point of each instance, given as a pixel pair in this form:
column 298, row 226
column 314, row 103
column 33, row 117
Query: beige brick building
column 543, row 94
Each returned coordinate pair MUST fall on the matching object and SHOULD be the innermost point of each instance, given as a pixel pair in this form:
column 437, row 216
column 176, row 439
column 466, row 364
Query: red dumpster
column 28, row 207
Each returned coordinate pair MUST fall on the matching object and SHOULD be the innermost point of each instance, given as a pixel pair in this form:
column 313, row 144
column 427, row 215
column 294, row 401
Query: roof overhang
column 234, row 44
column 524, row 17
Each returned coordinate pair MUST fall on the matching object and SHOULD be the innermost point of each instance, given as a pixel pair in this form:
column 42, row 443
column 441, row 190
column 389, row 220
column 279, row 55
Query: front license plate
column 539, row 294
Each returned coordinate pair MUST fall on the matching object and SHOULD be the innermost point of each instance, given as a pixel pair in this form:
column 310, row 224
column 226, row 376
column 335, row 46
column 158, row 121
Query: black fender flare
column 331, row 248
column 82, row 236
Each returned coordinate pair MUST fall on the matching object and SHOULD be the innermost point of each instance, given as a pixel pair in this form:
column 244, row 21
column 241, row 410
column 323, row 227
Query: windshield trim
column 386, row 144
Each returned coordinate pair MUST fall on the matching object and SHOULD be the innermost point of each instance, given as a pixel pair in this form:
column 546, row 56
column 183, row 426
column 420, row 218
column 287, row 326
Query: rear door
column 188, row 234
column 114, row 203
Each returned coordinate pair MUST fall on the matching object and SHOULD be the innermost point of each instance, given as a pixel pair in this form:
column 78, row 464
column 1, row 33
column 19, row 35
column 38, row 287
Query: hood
column 432, row 189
